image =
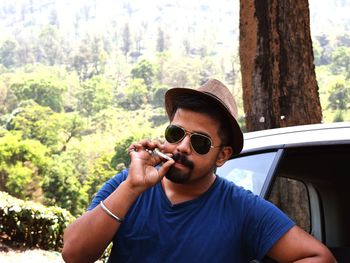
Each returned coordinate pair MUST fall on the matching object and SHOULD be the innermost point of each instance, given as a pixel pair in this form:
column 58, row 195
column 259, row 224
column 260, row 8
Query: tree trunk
column 278, row 72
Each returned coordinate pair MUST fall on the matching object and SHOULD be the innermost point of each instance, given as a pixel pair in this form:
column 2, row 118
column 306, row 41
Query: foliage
column 25, row 224
column 63, row 183
column 162, row 40
column 23, row 162
column 135, row 95
column 73, row 126
column 126, row 39
column 103, row 121
column 338, row 117
column 121, row 157
column 89, row 59
column 44, row 90
column 189, row 71
column 49, row 49
column 36, row 122
column 8, row 100
column 339, row 98
column 8, row 53
column 144, row 70
column 95, row 95
column 99, row 173
column 341, row 60
column 158, row 96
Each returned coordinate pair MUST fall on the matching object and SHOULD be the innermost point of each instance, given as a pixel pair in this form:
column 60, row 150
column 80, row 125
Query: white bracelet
column 104, row 208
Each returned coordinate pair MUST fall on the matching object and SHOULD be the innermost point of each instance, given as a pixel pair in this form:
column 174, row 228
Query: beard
column 177, row 176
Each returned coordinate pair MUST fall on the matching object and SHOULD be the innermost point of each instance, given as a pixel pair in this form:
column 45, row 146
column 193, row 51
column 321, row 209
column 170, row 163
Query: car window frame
column 273, row 167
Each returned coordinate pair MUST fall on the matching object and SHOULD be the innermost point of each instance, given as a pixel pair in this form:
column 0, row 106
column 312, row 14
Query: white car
column 304, row 170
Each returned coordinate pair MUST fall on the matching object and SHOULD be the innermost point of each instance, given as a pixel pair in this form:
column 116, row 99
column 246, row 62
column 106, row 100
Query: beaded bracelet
column 104, row 208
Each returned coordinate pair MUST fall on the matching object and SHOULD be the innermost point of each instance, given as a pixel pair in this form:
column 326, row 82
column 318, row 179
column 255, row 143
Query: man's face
column 189, row 165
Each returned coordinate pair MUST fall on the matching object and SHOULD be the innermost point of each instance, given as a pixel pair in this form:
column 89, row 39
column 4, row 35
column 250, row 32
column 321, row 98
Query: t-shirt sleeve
column 265, row 224
column 108, row 188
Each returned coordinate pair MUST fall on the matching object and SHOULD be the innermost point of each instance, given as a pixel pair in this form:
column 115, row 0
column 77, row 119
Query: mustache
column 182, row 159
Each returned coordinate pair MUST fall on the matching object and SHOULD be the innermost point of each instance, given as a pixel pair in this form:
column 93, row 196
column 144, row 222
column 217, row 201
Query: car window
column 249, row 171
column 291, row 196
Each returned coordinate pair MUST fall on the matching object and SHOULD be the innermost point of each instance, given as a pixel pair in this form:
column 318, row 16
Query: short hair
column 207, row 106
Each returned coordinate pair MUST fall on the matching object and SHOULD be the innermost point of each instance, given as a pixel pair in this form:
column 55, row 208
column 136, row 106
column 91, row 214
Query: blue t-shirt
column 225, row 224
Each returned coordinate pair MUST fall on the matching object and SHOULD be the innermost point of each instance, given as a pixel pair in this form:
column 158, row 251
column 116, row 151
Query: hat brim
column 173, row 94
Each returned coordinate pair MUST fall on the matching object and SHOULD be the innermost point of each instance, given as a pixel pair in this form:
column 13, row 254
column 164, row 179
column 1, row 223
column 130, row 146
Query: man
column 176, row 209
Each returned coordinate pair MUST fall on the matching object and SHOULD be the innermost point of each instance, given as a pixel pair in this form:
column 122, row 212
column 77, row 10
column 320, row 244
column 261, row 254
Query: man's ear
column 224, row 155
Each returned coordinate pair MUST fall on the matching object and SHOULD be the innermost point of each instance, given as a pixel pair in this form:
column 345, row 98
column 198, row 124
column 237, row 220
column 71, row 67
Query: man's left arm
column 298, row 246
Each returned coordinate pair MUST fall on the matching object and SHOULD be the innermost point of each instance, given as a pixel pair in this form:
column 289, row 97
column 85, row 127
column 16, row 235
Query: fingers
column 145, row 145
column 146, row 152
column 144, row 159
column 164, row 168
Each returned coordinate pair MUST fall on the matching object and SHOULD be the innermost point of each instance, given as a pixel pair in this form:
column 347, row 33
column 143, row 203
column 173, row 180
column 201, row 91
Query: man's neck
column 179, row 193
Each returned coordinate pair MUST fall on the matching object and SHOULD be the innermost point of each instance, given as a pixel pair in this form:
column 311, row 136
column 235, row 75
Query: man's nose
column 185, row 145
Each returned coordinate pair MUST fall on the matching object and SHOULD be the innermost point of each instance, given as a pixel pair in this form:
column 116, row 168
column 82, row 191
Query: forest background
column 81, row 80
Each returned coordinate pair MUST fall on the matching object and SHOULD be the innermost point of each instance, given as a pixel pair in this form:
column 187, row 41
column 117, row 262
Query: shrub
column 25, row 224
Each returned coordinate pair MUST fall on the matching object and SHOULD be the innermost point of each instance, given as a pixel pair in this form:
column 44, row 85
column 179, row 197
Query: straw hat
column 219, row 93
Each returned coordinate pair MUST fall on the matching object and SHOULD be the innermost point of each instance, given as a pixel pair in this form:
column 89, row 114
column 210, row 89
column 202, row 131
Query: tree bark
column 277, row 64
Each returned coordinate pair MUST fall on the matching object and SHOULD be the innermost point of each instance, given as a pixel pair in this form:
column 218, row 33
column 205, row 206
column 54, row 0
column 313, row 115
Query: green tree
column 23, row 164
column 338, row 117
column 95, row 95
column 81, row 61
column 99, row 55
column 90, row 58
column 62, row 186
column 339, row 98
column 144, row 70
column 158, row 96
column 103, row 120
column 343, row 40
column 72, row 127
column 322, row 50
column 121, row 158
column 25, row 51
column 53, row 18
column 162, row 60
column 46, row 90
column 135, row 95
column 317, row 53
column 38, row 123
column 49, row 47
column 8, row 53
column 126, row 40
column 161, row 40
column 99, row 173
column 8, row 100
column 182, row 72
column 341, row 60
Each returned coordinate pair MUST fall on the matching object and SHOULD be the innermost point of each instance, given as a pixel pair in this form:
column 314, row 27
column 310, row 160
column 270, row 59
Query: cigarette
column 159, row 153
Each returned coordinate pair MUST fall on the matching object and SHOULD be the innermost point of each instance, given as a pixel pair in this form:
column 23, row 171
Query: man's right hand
column 143, row 172
column 87, row 237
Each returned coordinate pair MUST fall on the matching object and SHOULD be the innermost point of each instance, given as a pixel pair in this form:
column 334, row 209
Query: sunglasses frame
column 186, row 132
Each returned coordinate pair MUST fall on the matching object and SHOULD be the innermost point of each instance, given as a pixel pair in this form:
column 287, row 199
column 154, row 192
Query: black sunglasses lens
column 174, row 134
column 200, row 144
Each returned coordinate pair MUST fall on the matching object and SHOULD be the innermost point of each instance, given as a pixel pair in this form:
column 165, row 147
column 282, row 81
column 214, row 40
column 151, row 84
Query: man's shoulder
column 230, row 187
column 237, row 196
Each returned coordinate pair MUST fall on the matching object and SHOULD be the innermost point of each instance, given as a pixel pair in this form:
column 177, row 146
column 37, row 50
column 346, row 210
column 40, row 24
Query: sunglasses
column 200, row 143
